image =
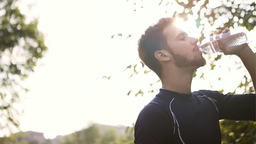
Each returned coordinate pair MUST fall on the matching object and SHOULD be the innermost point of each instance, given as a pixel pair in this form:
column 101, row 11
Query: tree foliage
column 97, row 134
column 110, row 136
column 13, row 139
column 224, row 14
column 238, row 132
column 21, row 45
column 90, row 135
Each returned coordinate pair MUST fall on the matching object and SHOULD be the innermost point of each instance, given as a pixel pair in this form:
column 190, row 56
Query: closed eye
column 182, row 36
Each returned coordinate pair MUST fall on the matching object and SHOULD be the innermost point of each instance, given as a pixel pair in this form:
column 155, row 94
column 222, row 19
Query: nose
column 194, row 40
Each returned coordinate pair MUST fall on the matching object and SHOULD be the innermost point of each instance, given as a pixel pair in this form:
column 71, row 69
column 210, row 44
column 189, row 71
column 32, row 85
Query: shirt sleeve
column 235, row 107
column 153, row 126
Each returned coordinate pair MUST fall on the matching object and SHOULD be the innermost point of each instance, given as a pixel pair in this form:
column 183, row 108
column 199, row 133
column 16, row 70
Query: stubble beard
column 183, row 61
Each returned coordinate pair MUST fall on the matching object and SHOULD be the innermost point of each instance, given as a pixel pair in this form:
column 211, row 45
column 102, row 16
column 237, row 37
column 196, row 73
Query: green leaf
column 128, row 67
column 140, row 92
column 212, row 66
column 152, row 91
column 161, row 2
column 4, row 107
column 218, row 57
column 251, row 90
column 131, row 75
column 134, row 69
column 146, row 71
column 129, row 92
column 107, row 77
column 221, row 91
column 194, row 74
column 198, row 22
column 202, row 76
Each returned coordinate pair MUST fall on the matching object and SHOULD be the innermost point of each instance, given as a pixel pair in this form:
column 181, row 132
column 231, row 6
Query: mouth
column 196, row 48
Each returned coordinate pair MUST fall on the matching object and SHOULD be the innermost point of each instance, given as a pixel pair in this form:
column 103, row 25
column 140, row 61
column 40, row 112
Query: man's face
column 182, row 47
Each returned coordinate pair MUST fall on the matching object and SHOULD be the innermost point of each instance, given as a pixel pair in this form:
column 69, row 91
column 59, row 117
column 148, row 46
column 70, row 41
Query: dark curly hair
column 152, row 41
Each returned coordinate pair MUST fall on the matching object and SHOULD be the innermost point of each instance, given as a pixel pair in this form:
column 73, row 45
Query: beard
column 183, row 61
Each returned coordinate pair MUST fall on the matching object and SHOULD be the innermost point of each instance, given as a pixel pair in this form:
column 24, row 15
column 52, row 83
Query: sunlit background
column 89, row 41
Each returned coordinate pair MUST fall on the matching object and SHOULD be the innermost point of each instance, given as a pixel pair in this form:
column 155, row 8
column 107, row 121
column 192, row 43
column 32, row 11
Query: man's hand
column 244, row 52
column 237, row 50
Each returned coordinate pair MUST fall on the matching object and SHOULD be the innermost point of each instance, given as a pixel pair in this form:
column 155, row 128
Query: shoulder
column 158, row 109
column 153, row 125
column 154, row 115
column 209, row 93
column 152, row 111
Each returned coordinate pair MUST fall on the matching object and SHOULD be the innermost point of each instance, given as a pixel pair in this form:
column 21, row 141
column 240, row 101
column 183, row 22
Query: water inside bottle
column 207, row 48
column 229, row 41
column 235, row 40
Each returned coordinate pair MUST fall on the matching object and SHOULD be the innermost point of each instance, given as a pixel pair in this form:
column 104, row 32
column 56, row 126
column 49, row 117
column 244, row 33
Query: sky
column 67, row 91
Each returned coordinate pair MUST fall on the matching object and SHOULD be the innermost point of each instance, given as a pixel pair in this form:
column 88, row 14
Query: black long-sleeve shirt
column 174, row 118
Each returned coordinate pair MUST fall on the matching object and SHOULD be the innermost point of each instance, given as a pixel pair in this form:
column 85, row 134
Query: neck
column 178, row 80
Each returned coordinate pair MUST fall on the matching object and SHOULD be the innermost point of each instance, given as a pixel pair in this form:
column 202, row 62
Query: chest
column 197, row 119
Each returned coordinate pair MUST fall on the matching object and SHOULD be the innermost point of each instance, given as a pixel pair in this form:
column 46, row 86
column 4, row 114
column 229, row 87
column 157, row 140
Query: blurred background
column 70, row 74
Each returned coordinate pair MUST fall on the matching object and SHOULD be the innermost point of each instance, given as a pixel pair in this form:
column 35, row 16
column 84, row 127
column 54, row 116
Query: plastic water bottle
column 210, row 45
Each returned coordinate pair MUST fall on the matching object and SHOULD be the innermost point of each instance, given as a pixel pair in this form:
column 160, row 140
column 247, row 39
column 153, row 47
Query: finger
column 211, row 36
column 217, row 35
column 218, row 32
column 226, row 30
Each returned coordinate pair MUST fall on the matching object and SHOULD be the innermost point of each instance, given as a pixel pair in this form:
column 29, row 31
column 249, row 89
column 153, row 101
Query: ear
column 162, row 55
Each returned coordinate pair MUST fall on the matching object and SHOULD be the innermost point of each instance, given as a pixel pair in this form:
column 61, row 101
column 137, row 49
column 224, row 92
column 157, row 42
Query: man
column 176, row 115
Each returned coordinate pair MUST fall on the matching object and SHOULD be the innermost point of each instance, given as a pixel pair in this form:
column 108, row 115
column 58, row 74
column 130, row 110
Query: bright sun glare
column 179, row 23
column 188, row 26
